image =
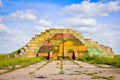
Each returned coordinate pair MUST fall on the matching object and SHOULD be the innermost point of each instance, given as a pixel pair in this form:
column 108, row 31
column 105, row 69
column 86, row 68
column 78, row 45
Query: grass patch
column 98, row 60
column 2, row 55
column 100, row 66
column 102, row 77
column 10, row 64
column 91, row 74
column 31, row 72
column 71, row 73
column 5, row 62
column 61, row 64
column 85, row 70
column 81, row 67
column 61, row 72
column 95, row 77
column 107, row 77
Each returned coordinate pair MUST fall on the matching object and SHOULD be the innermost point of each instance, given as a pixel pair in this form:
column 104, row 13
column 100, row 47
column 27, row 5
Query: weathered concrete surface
column 86, row 71
column 81, row 71
column 21, row 74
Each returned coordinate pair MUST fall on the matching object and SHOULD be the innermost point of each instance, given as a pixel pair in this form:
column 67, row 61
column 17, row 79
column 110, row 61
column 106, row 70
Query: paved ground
column 71, row 71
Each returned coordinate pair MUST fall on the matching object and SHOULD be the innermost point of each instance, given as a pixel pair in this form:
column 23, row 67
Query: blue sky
column 22, row 19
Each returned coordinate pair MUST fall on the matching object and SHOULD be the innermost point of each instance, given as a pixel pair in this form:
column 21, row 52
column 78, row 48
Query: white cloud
column 81, row 17
column 19, row 16
column 3, row 28
column 41, row 25
column 78, row 22
column 91, row 9
column 44, row 23
column 1, row 3
column 104, row 34
column 9, row 43
column 13, row 39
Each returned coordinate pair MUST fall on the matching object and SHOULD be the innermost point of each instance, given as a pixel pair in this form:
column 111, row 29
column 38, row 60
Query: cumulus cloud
column 91, row 9
column 10, row 43
column 41, row 25
column 44, row 23
column 81, row 17
column 13, row 39
column 19, row 15
column 78, row 22
column 104, row 34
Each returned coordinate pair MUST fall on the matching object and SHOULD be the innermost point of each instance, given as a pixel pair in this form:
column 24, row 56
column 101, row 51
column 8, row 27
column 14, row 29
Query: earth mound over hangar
column 65, row 43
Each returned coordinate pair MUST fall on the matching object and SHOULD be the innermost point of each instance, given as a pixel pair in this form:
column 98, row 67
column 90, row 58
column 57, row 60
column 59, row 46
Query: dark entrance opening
column 73, row 55
column 48, row 56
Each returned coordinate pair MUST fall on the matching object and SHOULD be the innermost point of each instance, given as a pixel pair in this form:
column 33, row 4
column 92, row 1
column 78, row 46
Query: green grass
column 11, row 64
column 2, row 55
column 6, row 62
column 31, row 72
column 107, row 77
column 61, row 64
column 90, row 73
column 95, row 77
column 102, row 60
column 102, row 77
column 61, row 72
column 14, row 52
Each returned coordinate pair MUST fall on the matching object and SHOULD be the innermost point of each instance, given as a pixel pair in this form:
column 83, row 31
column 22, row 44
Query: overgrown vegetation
column 102, row 60
column 2, row 55
column 13, row 53
column 6, row 62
